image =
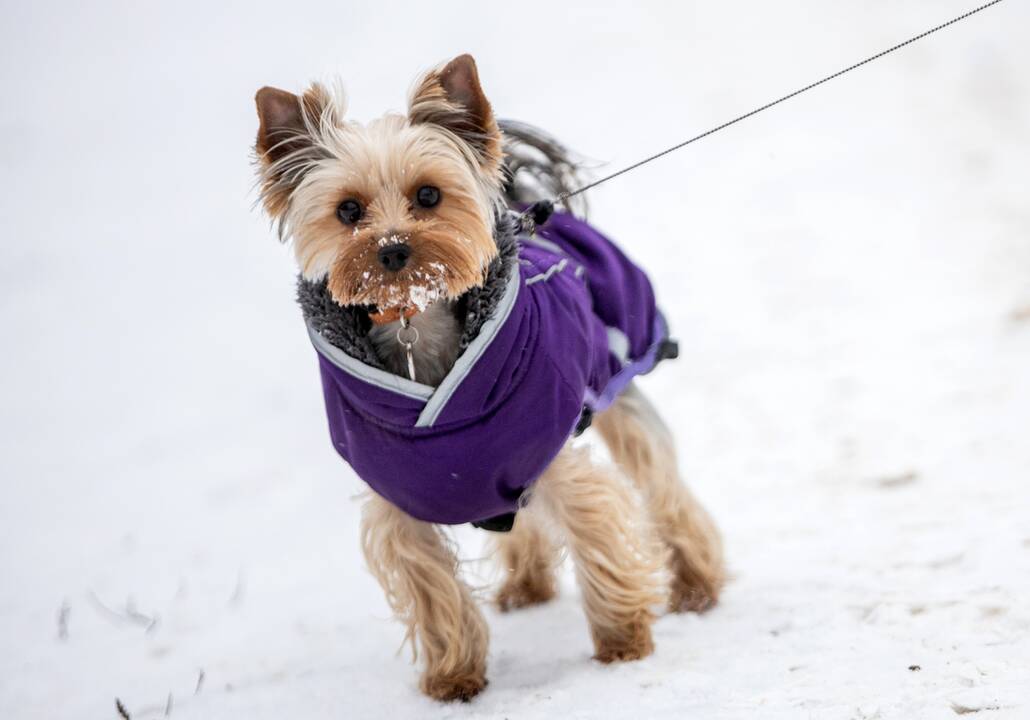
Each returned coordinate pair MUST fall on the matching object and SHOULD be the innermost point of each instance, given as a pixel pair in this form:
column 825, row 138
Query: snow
column 847, row 274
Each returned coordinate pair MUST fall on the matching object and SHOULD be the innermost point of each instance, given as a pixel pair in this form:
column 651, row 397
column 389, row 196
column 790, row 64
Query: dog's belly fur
column 434, row 353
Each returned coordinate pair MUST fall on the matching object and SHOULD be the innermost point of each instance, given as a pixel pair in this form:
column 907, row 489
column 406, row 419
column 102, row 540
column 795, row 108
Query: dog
column 459, row 358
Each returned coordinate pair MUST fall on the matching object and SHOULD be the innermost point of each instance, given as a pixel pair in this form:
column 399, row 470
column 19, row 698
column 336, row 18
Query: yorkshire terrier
column 395, row 227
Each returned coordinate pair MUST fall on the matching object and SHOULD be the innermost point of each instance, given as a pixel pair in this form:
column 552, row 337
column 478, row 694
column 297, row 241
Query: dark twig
column 148, row 622
column 130, row 614
column 62, row 621
column 200, row 681
column 122, row 712
column 104, row 610
column 236, row 599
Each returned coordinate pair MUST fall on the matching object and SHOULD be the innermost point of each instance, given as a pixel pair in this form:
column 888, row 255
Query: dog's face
column 397, row 213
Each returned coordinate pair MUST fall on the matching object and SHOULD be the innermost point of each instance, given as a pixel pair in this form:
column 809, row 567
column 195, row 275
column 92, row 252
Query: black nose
column 394, row 257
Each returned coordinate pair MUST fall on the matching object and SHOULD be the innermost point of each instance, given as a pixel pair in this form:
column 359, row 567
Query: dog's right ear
column 287, row 140
column 282, row 128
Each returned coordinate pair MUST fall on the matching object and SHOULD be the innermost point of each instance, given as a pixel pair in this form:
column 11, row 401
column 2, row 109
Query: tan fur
column 617, row 559
column 451, row 97
column 641, row 444
column 418, row 572
column 382, row 166
column 310, row 160
column 530, row 558
column 285, row 145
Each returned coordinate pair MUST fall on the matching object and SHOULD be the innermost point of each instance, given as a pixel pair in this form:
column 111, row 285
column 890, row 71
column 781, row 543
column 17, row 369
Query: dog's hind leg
column 530, row 559
column 417, row 568
column 642, row 445
column 617, row 558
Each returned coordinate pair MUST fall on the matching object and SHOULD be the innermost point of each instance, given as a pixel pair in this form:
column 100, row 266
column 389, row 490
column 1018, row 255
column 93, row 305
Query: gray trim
column 545, row 276
column 618, row 344
column 375, row 376
column 543, row 242
column 475, row 349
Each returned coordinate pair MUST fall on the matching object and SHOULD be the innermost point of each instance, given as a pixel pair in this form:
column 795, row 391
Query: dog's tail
column 538, row 167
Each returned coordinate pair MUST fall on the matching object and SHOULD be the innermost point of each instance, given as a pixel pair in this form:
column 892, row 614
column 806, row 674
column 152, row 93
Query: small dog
column 424, row 303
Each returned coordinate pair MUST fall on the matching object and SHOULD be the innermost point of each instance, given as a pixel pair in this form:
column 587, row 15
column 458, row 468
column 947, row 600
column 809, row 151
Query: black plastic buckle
column 668, row 350
column 586, row 417
column 498, row 523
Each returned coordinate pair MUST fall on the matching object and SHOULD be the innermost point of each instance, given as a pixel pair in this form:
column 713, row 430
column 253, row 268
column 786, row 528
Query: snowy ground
column 849, row 276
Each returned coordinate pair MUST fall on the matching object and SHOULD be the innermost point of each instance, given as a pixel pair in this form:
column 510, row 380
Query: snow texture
column 848, row 274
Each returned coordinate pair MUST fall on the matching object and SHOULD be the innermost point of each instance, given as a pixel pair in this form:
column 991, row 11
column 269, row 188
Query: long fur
column 417, row 569
column 618, row 559
column 641, row 444
column 530, row 556
column 537, row 166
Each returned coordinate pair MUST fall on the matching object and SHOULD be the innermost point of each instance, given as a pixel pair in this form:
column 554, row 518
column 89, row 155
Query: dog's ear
column 281, row 126
column 452, row 98
column 288, row 123
column 286, row 139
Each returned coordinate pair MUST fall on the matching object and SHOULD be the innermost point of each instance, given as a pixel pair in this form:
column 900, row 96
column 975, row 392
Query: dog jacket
column 571, row 323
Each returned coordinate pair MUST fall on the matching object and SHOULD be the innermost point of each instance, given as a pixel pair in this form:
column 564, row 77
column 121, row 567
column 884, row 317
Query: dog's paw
column 454, row 687
column 634, row 643
column 697, row 597
column 515, row 595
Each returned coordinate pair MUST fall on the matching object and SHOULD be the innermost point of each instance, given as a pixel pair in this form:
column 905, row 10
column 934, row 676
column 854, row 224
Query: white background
column 849, row 276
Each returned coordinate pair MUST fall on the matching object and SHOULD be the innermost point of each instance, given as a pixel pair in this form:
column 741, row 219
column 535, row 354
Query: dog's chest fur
column 435, row 351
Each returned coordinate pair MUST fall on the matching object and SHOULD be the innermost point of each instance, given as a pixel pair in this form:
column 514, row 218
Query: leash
column 539, row 212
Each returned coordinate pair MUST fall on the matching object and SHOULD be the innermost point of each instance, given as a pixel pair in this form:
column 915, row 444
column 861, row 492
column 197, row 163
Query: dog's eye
column 428, row 196
column 349, row 212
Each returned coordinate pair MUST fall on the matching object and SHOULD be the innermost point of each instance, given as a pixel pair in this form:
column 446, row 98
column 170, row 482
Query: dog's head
column 397, row 213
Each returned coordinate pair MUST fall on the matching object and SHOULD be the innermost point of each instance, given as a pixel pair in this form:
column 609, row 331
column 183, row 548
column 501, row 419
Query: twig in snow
column 959, row 709
column 130, row 614
column 168, row 705
column 62, row 621
column 121, row 710
column 148, row 622
column 945, row 561
column 200, row 681
column 104, row 609
column 896, row 481
column 237, row 594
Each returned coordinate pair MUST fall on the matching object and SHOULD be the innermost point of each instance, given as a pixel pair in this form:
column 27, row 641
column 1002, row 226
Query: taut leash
column 538, row 213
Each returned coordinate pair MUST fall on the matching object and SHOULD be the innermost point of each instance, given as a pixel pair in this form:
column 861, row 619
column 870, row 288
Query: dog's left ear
column 452, row 98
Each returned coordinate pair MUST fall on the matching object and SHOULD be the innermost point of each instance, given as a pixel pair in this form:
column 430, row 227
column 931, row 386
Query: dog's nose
column 394, row 257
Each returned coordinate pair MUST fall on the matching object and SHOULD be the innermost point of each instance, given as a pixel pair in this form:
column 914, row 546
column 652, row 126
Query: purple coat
column 576, row 323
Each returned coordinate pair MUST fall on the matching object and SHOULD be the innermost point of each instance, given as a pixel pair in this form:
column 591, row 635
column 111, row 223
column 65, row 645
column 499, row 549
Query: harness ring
column 411, row 338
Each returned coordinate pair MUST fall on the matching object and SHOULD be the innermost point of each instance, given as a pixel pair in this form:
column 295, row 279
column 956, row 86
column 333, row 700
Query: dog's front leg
column 417, row 568
column 617, row 556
